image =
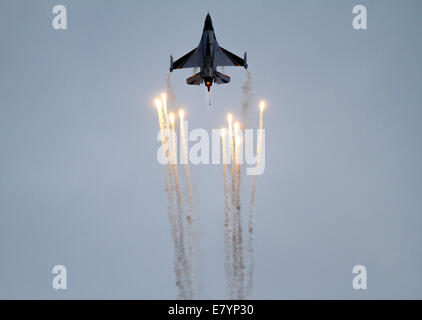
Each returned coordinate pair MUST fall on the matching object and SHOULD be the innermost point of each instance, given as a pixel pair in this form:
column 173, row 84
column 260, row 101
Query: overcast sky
column 80, row 184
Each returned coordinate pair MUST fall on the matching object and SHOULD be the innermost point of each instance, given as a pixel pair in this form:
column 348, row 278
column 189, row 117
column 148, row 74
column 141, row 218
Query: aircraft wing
column 190, row 60
column 224, row 57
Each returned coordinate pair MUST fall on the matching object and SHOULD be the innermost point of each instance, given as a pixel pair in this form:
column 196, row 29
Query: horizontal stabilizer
column 221, row 78
column 195, row 79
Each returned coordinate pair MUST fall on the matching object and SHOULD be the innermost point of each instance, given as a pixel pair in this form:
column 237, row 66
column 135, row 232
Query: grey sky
column 79, row 180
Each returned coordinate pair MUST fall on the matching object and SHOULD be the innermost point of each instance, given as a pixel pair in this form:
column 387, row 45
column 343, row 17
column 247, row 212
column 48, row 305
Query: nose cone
column 208, row 23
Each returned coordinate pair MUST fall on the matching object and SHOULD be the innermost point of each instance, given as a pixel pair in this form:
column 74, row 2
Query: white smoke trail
column 235, row 229
column 175, row 188
column 238, row 219
column 249, row 286
column 174, row 232
column 168, row 187
column 227, row 223
column 190, row 214
column 171, row 97
column 181, row 238
column 180, row 213
column 186, row 255
column 247, row 99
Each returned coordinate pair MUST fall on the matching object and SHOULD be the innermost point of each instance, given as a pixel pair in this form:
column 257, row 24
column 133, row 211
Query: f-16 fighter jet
column 208, row 56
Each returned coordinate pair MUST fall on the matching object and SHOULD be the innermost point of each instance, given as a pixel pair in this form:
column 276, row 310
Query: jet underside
column 208, row 56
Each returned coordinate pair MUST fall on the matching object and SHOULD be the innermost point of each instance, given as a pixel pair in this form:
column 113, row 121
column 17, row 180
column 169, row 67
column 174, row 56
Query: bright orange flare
column 229, row 118
column 181, row 114
column 164, row 97
column 172, row 118
column 223, row 132
column 262, row 105
column 236, row 127
column 158, row 104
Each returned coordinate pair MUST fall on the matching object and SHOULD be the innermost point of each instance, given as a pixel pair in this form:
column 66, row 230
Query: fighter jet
column 208, row 56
